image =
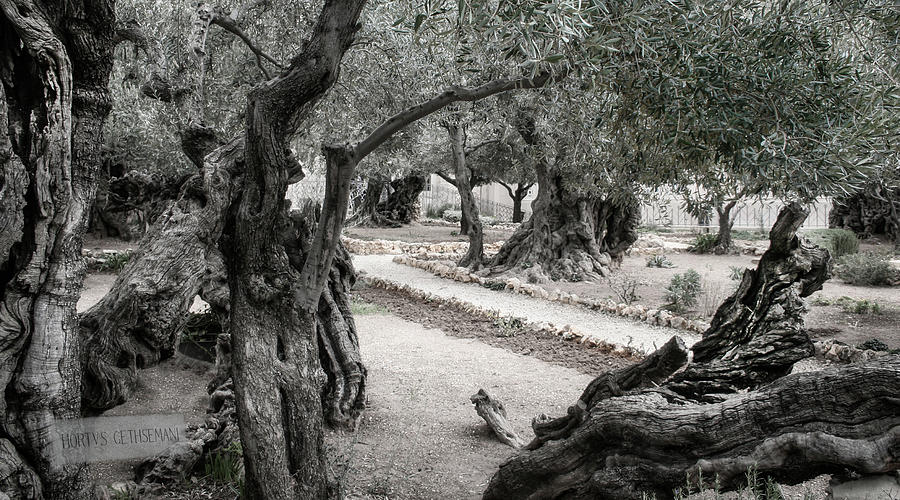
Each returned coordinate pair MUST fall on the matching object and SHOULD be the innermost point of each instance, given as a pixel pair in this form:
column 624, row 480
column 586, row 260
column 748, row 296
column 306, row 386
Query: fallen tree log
column 700, row 423
column 648, row 443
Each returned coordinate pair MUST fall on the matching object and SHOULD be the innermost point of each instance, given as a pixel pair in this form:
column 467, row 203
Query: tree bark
column 641, row 430
column 277, row 375
column 53, row 103
column 137, row 323
column 873, row 211
column 367, row 212
column 402, row 204
column 518, row 196
column 569, row 237
column 471, row 219
column 723, row 237
column 652, row 443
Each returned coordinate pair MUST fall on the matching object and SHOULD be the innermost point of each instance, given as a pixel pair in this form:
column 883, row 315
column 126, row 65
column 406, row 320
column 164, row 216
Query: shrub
column 854, row 306
column 437, row 211
column 625, row 286
column 839, row 242
column 736, row 273
column 659, row 261
column 866, row 269
column 704, row 243
column 683, row 291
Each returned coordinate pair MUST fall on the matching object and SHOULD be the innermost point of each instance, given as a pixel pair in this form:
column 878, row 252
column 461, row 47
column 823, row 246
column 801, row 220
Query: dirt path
column 602, row 326
column 420, row 437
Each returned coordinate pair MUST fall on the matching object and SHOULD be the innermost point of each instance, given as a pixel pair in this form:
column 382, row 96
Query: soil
column 422, row 233
column 828, row 321
column 517, row 339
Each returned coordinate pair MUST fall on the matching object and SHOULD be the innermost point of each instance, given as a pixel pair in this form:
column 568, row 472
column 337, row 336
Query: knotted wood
column 494, row 414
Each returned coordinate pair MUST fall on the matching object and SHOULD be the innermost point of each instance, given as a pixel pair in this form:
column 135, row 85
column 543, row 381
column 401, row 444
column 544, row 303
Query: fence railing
column 669, row 212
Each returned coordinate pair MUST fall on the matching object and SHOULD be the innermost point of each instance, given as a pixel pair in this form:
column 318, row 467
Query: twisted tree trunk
column 471, row 219
column 627, row 438
column 401, row 206
column 723, row 237
column 53, row 103
column 277, row 374
column 569, row 237
column 873, row 211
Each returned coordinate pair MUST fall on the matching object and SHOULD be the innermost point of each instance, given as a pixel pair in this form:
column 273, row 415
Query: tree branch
column 449, row 96
column 229, row 24
column 450, row 180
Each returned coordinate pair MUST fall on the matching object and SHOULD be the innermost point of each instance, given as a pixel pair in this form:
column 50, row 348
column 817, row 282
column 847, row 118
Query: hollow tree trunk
column 471, row 220
column 402, row 204
column 723, row 237
column 53, row 102
column 569, row 237
column 277, row 375
column 626, row 437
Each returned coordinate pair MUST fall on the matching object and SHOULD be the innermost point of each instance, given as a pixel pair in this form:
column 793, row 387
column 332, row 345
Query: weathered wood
column 874, row 211
column 471, row 219
column 494, row 414
column 651, row 371
column 569, row 236
column 649, row 443
column 53, row 103
column 757, row 333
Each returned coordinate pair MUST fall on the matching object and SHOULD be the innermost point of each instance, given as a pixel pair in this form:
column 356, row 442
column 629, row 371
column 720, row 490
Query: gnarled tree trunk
column 569, row 237
column 626, row 439
column 471, row 219
column 873, row 211
column 723, row 237
column 366, row 213
column 53, row 103
column 401, row 206
column 277, row 374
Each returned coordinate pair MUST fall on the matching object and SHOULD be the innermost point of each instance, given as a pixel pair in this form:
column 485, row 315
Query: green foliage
column 736, row 273
column 839, row 242
column 115, row 262
column 508, row 326
column 625, row 285
column 851, row 305
column 683, row 291
column 359, row 307
column 866, row 269
column 659, row 261
column 227, row 466
column 704, row 243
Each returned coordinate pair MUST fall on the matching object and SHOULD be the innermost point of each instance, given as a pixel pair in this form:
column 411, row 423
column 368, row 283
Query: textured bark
column 53, row 102
column 471, row 219
column 494, row 414
column 652, row 371
column 367, row 214
column 138, row 322
column 568, row 236
column 277, row 375
column 723, row 237
column 651, row 442
column 640, row 430
column 873, row 211
column 757, row 333
column 402, row 204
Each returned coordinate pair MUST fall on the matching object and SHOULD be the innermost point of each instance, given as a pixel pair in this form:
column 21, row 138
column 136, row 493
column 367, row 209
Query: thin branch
column 454, row 94
column 450, row 180
column 229, row 24
column 472, row 150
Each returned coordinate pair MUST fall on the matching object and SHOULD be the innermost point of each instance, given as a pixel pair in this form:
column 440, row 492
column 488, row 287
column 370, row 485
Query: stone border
column 395, row 247
column 828, row 350
column 567, row 332
column 657, row 317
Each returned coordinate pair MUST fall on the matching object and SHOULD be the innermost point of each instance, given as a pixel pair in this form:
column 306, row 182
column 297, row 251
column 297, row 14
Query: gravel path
column 594, row 323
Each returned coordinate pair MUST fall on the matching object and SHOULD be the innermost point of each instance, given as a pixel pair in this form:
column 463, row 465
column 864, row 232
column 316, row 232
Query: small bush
column 436, row 212
column 659, row 261
column 508, row 326
column 866, row 269
column 359, row 307
column 704, row 243
column 625, row 286
column 863, row 306
column 736, row 273
column 683, row 291
column 839, row 242
column 496, row 285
